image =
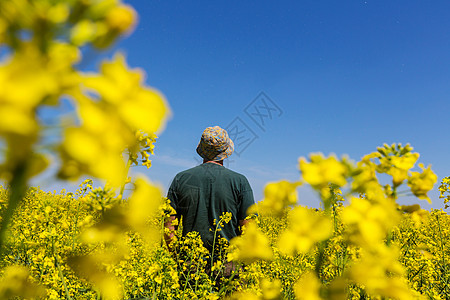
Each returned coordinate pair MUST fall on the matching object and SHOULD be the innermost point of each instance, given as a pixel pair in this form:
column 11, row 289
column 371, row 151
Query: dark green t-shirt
column 201, row 194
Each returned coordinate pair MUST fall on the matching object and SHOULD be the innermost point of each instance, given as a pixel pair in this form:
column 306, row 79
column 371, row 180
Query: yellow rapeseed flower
column 398, row 166
column 277, row 196
column 307, row 287
column 270, row 288
column 121, row 18
column 380, row 272
column 368, row 223
column 15, row 283
column 405, row 162
column 306, row 228
column 321, row 171
column 422, row 182
column 252, row 245
column 247, row 295
column 109, row 124
column 143, row 205
column 139, row 106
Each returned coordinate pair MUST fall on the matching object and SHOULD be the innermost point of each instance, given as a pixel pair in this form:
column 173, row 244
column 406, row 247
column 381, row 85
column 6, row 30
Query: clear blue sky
column 347, row 76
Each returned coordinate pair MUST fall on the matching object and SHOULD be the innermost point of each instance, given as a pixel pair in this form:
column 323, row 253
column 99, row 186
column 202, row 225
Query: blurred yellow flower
column 16, row 283
column 270, row 288
column 88, row 267
column 368, row 223
column 398, row 166
column 277, row 196
column 109, row 124
column 405, row 162
column 422, row 182
column 371, row 271
column 365, row 180
column 321, row 171
column 83, row 32
column 306, row 228
column 307, row 287
column 247, row 295
column 252, row 245
column 121, row 18
column 140, row 107
column 143, row 205
column 44, row 78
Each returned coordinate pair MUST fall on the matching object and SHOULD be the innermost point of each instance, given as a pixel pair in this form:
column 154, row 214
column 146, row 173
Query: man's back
column 203, row 193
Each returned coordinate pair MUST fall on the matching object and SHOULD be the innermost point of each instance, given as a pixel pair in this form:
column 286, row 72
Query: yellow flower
column 398, row 175
column 108, row 125
column 305, row 229
column 58, row 13
column 373, row 269
column 147, row 163
column 307, row 287
column 139, row 106
column 143, row 205
column 31, row 69
column 369, row 222
column 247, row 295
column 443, row 189
column 250, row 246
column 86, row 152
column 83, row 32
column 398, row 166
column 121, row 18
column 365, row 176
column 16, row 283
column 3, row 26
column 405, row 162
column 320, row 171
column 270, row 288
column 158, row 279
column 277, row 196
column 422, row 182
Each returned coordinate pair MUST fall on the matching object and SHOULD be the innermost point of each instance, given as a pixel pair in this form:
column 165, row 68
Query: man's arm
column 246, row 200
column 171, row 223
column 169, row 230
column 242, row 223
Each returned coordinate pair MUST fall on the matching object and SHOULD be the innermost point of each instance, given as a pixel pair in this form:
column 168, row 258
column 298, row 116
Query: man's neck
column 220, row 162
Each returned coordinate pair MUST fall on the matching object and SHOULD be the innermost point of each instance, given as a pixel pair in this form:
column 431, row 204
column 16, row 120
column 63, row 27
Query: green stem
column 336, row 260
column 18, row 189
column 61, row 275
column 320, row 257
column 196, row 281
column 187, row 279
column 127, row 169
column 213, row 245
column 394, row 192
column 238, row 267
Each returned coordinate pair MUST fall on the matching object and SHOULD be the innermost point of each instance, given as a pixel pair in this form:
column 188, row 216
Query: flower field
column 50, row 233
column 103, row 243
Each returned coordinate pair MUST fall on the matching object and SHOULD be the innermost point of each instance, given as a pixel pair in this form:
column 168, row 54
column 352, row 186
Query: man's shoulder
column 189, row 171
column 238, row 177
column 235, row 174
column 210, row 170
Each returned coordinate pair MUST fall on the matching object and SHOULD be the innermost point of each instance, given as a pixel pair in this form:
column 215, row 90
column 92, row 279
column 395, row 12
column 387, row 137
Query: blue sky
column 346, row 77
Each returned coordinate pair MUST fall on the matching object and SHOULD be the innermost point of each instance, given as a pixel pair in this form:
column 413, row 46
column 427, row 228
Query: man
column 203, row 193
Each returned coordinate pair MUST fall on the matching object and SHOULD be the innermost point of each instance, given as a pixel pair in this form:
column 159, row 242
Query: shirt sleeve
column 172, row 194
column 247, row 200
